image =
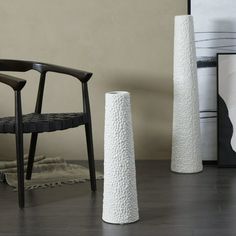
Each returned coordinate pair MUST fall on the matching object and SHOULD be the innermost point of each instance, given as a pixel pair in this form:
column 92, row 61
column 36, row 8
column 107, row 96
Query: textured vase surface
column 120, row 205
column 186, row 143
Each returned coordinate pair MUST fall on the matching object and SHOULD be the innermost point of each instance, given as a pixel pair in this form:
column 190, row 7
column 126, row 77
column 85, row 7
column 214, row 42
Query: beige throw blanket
column 47, row 172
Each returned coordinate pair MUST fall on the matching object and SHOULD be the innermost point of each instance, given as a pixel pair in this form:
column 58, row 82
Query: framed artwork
column 215, row 32
column 226, row 101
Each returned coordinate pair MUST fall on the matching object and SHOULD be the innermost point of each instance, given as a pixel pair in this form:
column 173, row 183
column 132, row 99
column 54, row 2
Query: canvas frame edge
column 220, row 165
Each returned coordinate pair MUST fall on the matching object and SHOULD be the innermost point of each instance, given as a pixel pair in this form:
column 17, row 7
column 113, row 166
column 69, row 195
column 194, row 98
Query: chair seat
column 39, row 123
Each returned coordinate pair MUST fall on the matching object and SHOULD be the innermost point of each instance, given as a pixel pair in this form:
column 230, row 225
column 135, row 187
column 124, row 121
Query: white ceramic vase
column 186, row 143
column 120, row 205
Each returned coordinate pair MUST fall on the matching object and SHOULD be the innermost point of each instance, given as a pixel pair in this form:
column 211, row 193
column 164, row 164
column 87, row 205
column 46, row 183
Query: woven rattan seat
column 39, row 123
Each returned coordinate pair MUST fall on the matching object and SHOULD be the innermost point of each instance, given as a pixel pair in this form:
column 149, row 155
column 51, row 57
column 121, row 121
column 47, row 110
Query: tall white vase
column 120, row 205
column 186, row 143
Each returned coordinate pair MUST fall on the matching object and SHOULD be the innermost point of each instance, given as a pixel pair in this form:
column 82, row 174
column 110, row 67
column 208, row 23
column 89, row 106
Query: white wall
column 126, row 44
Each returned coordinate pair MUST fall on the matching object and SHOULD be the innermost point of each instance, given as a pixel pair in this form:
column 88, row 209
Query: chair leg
column 20, row 168
column 32, row 149
column 89, row 138
column 19, row 149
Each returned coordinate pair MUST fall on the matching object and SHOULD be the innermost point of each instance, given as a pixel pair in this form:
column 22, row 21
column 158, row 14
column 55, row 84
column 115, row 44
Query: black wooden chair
column 36, row 122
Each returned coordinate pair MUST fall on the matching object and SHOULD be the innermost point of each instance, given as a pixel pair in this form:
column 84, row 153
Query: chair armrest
column 83, row 76
column 14, row 82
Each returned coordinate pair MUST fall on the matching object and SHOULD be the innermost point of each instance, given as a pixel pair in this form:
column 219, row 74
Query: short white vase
column 186, row 143
column 120, row 205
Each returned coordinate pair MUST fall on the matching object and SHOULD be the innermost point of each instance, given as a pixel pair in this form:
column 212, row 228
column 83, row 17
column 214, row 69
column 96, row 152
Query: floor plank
column 170, row 204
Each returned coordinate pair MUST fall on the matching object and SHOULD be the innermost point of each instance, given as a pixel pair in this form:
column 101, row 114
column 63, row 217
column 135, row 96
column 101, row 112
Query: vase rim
column 183, row 16
column 117, row 92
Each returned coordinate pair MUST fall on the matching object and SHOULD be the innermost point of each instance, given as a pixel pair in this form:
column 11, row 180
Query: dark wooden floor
column 170, row 204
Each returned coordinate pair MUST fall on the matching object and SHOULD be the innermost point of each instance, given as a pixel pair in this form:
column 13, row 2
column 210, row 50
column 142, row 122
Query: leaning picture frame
column 226, row 104
column 215, row 32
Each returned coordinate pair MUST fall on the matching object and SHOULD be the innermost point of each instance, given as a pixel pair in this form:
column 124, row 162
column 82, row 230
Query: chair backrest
column 16, row 65
column 23, row 66
column 43, row 68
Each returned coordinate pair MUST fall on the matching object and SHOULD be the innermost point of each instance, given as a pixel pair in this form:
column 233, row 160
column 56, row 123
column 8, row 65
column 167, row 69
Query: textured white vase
column 120, row 205
column 186, row 143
